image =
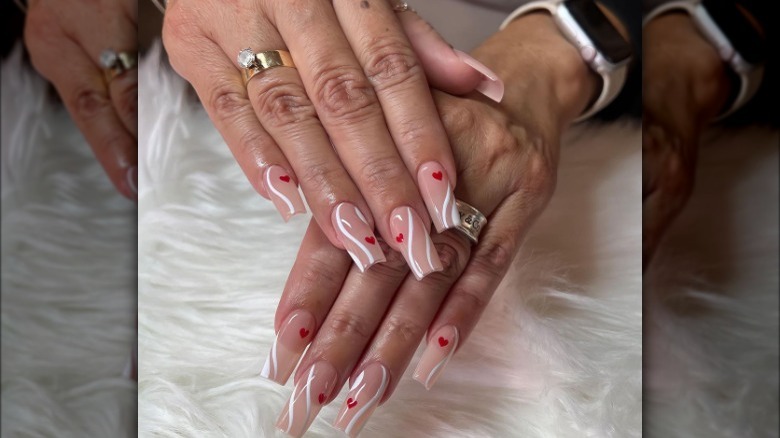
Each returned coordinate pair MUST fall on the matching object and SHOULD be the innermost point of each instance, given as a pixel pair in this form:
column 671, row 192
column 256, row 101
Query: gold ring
column 117, row 63
column 253, row 63
column 471, row 221
column 402, row 7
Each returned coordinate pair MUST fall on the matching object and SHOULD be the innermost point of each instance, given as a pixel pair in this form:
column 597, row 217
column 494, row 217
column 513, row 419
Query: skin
column 685, row 88
column 65, row 39
column 352, row 122
column 507, row 158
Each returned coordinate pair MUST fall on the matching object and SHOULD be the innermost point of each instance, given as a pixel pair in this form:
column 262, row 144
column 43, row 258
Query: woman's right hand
column 354, row 123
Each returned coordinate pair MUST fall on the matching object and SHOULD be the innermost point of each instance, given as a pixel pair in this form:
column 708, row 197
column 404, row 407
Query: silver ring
column 402, row 6
column 471, row 221
column 115, row 63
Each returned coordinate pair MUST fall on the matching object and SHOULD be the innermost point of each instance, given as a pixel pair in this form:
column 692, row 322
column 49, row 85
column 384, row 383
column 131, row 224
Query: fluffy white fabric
column 68, row 274
column 557, row 354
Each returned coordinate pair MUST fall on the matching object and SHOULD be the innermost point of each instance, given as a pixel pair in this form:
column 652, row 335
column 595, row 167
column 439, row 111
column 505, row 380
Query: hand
column 685, row 87
column 354, row 124
column 65, row 39
column 367, row 326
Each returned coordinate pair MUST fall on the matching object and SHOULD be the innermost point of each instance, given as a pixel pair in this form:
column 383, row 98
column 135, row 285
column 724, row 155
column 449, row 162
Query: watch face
column 736, row 27
column 608, row 41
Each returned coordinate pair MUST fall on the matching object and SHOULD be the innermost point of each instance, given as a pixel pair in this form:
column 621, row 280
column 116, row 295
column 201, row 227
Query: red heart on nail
column 321, row 398
column 351, row 403
column 285, row 178
column 304, row 332
column 443, row 342
column 399, row 238
column 371, row 240
column 438, row 175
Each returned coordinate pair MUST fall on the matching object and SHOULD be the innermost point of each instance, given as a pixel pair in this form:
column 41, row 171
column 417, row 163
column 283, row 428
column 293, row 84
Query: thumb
column 448, row 69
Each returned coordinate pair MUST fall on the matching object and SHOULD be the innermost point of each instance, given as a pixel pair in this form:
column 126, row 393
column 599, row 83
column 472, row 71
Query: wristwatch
column 600, row 44
column 738, row 43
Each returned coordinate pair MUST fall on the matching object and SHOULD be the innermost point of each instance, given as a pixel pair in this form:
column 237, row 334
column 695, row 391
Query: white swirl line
column 454, row 210
column 294, row 398
column 308, row 394
column 277, row 192
column 444, row 207
column 415, row 266
column 443, row 361
column 380, row 391
column 352, row 238
column 428, row 252
column 273, row 358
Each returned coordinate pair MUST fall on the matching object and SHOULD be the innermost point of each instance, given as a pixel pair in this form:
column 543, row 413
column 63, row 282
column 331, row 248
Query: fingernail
column 491, row 86
column 295, row 334
column 283, row 192
column 362, row 399
column 436, row 355
column 416, row 245
column 357, row 237
column 132, row 180
column 438, row 196
column 307, row 399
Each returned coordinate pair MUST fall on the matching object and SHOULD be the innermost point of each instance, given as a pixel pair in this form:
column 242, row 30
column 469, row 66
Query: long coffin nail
column 283, row 192
column 363, row 397
column 438, row 196
column 440, row 349
column 416, row 245
column 491, row 86
column 295, row 334
column 357, row 237
column 307, row 399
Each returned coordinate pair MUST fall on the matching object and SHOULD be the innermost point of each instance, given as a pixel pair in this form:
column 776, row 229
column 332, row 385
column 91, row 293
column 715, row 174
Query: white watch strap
column 611, row 83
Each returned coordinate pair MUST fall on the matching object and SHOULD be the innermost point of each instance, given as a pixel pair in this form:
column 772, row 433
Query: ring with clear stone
column 116, row 63
column 253, row 63
column 402, row 7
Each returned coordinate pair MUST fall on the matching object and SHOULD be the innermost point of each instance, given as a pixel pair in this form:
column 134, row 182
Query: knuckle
column 282, row 104
column 128, row 98
column 541, row 177
column 403, row 329
column 390, row 63
column 316, row 277
column 320, row 175
column 470, row 298
column 345, row 95
column 88, row 102
column 451, row 260
column 379, row 176
column 349, row 325
column 494, row 256
column 227, row 102
column 393, row 268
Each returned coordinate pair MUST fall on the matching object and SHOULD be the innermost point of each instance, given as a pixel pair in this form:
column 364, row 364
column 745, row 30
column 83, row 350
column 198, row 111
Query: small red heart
column 438, row 175
column 443, row 342
column 321, row 398
column 304, row 332
column 371, row 240
column 399, row 238
column 351, row 403
column 285, row 178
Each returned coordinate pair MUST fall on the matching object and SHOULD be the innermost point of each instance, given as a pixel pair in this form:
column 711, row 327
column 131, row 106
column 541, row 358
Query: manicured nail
column 295, row 334
column 307, row 399
column 132, row 180
column 491, row 86
column 438, row 196
column 363, row 397
column 416, row 245
column 283, row 192
column 435, row 357
column 357, row 237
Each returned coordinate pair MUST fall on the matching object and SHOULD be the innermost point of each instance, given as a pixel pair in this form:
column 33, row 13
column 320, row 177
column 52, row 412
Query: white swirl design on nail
column 294, row 398
column 277, row 192
column 352, row 238
column 370, row 404
column 415, row 266
column 444, row 208
column 443, row 361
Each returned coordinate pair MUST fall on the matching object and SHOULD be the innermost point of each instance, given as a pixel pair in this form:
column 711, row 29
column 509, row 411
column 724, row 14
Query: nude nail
column 357, row 237
column 437, row 354
column 283, row 192
column 416, row 245
column 491, row 86
column 362, row 399
column 294, row 335
column 311, row 392
column 438, row 196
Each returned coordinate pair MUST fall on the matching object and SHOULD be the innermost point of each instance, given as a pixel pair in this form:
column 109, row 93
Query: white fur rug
column 68, row 275
column 213, row 257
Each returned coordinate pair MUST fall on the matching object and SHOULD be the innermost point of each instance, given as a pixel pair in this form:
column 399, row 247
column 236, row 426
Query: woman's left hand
column 369, row 325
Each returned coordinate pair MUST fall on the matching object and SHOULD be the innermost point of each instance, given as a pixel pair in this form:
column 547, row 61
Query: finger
column 222, row 92
column 399, row 334
column 662, row 206
column 350, row 112
column 468, row 298
column 80, row 85
column 447, row 69
column 344, row 333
